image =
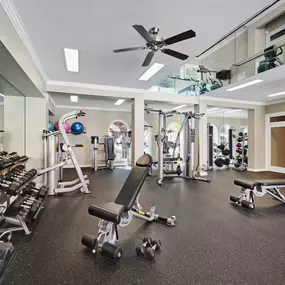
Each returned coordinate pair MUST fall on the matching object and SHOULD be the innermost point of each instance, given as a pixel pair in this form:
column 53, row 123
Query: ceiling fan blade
column 127, row 49
column 174, row 53
column 180, row 37
column 148, row 58
column 143, row 32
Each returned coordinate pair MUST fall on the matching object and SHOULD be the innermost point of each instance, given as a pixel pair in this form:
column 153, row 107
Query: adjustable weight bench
column 120, row 212
column 258, row 188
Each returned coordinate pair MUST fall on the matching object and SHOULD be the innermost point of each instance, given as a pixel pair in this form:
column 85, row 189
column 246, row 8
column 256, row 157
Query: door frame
column 268, row 140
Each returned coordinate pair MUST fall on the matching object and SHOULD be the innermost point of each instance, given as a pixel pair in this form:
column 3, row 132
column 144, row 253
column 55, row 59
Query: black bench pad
column 271, row 182
column 247, row 184
column 108, row 211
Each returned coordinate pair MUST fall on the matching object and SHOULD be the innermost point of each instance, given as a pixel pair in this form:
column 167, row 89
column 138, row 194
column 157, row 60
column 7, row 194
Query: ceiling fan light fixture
column 151, row 71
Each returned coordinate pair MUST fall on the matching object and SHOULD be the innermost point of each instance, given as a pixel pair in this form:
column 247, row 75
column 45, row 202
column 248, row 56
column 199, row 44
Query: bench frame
column 108, row 233
column 246, row 197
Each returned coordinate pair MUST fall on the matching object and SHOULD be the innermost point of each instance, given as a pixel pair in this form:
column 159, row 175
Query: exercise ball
column 66, row 126
column 51, row 126
column 77, row 128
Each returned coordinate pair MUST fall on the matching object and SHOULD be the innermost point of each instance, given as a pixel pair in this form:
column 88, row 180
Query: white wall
column 1, row 127
column 96, row 123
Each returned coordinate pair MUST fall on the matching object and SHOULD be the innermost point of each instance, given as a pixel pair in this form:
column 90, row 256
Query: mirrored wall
column 12, row 118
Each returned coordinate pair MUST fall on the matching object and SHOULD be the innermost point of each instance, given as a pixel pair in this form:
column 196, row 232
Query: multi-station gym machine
column 108, row 150
column 187, row 163
column 53, row 162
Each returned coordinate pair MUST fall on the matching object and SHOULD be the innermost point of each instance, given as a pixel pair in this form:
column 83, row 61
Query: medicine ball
column 239, row 150
column 246, row 160
column 241, row 134
column 239, row 145
column 237, row 165
column 239, row 139
column 77, row 128
column 246, row 146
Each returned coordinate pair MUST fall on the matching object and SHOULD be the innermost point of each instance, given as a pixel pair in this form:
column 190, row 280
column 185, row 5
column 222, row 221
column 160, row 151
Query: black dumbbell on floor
column 150, row 251
column 140, row 250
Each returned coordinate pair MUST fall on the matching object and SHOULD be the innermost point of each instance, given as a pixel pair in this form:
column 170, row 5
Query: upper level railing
column 243, row 55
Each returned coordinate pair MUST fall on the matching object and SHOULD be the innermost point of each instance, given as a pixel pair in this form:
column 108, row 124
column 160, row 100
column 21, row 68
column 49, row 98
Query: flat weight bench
column 257, row 188
column 120, row 212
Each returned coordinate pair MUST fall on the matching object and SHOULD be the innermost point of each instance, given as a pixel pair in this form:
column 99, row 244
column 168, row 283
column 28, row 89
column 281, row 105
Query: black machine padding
column 247, row 184
column 132, row 187
column 108, row 211
column 271, row 182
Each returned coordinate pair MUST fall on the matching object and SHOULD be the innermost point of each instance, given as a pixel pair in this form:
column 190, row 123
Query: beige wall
column 277, row 147
column 276, row 108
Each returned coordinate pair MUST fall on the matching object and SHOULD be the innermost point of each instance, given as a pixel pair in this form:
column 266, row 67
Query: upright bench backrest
column 134, row 182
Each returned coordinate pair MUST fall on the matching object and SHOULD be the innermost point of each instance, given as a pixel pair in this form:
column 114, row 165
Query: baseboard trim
column 257, row 170
column 72, row 166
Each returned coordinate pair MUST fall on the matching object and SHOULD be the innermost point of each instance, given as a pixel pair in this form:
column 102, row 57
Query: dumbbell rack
column 8, row 219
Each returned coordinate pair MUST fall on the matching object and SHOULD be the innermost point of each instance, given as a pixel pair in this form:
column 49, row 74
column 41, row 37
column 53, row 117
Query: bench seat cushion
column 271, row 182
column 248, row 184
column 108, row 211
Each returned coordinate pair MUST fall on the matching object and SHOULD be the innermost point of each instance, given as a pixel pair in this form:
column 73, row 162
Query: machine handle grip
column 81, row 114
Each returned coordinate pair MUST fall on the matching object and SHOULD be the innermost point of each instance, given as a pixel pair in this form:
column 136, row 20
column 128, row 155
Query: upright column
column 14, row 124
column 256, row 138
column 201, row 134
column 137, row 128
column 36, row 122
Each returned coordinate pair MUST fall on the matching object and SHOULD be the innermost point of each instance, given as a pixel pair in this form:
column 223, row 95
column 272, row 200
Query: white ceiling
column 273, row 82
column 98, row 27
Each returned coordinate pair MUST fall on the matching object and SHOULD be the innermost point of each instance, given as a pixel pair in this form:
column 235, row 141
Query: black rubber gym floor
column 214, row 242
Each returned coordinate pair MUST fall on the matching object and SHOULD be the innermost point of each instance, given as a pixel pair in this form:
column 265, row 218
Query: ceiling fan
column 155, row 43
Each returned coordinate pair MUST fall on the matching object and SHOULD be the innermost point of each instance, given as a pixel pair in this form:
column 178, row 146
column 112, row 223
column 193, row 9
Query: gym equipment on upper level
column 53, row 167
column 109, row 153
column 120, row 212
column 271, row 59
column 258, row 188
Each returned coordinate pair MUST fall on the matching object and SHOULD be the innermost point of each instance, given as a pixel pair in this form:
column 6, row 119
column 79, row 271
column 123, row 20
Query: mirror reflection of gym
column 121, row 134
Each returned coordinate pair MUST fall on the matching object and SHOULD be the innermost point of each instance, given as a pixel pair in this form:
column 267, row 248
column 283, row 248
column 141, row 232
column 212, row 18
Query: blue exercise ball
column 51, row 126
column 77, row 128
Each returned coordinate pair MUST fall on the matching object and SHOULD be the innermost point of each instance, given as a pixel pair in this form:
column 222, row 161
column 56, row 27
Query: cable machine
column 109, row 153
column 187, row 128
column 53, row 167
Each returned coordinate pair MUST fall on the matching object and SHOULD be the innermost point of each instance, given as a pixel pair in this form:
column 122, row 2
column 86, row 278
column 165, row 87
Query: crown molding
column 219, row 99
column 90, row 108
column 276, row 102
column 16, row 20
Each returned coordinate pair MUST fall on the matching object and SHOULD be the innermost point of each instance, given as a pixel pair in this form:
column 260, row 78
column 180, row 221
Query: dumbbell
column 22, row 171
column 140, row 250
column 28, row 211
column 35, row 192
column 150, row 251
column 25, row 203
column 9, row 186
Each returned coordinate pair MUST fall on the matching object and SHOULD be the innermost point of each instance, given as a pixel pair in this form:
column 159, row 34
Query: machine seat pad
column 108, row 211
column 247, row 184
column 271, row 182
column 144, row 161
